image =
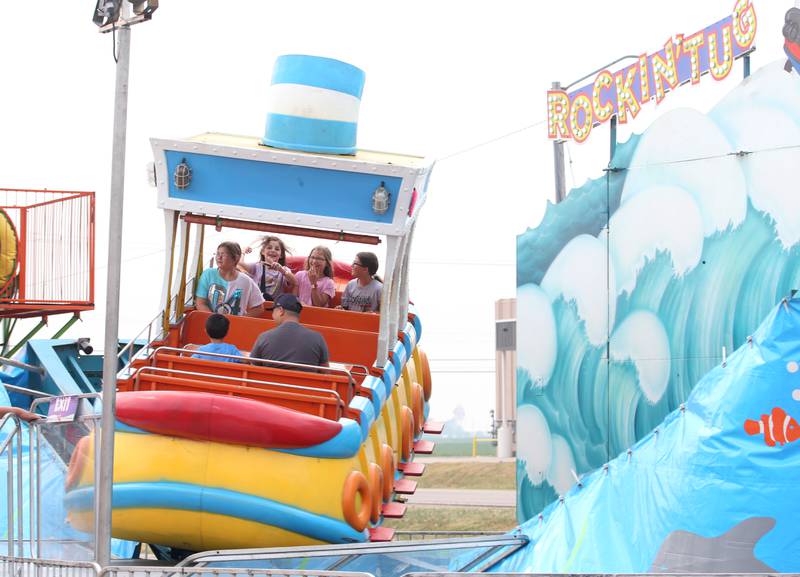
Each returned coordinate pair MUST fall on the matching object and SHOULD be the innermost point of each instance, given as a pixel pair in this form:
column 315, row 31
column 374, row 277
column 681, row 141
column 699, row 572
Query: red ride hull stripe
column 225, row 419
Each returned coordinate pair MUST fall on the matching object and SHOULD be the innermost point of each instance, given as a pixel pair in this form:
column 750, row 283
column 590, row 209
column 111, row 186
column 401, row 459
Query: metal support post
column 746, row 59
column 385, row 340
column 67, row 325
column 41, row 324
column 613, row 139
column 558, row 162
column 102, row 530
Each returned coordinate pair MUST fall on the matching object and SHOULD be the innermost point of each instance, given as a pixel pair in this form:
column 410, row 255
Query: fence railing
column 463, row 574
column 138, row 571
column 23, row 482
column 23, row 567
column 476, row 440
column 152, row 331
column 11, row 448
column 334, row 555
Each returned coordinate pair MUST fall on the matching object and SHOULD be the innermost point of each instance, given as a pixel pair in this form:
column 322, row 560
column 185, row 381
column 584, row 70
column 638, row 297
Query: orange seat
column 345, row 345
column 325, row 404
column 326, row 394
column 339, row 382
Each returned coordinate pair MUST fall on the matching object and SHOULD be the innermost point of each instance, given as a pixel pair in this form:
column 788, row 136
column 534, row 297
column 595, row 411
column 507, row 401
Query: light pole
column 113, row 15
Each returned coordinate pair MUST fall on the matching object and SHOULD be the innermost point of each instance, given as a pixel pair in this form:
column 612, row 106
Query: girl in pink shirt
column 315, row 285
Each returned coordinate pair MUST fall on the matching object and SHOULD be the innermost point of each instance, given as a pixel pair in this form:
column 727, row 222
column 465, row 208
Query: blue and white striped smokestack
column 313, row 105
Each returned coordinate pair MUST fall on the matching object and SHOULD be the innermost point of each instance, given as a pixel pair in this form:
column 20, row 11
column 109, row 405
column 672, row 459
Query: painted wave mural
column 637, row 284
column 711, row 490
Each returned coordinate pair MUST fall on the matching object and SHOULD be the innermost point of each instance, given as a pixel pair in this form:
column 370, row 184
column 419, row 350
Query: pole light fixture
column 108, row 14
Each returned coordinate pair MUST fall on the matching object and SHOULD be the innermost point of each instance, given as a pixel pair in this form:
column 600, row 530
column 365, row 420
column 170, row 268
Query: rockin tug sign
column 683, row 58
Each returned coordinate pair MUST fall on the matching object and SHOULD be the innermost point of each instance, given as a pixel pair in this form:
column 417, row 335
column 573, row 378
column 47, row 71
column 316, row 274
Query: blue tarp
column 711, row 489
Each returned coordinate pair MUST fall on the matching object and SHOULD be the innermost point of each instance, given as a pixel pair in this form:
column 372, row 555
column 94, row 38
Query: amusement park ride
column 288, row 467
column 326, row 449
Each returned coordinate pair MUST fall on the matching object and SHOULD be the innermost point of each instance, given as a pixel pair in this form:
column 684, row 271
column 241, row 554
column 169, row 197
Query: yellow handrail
column 476, row 440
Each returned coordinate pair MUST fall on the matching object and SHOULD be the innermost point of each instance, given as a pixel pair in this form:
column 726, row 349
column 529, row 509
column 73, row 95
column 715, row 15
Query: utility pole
column 105, row 482
column 114, row 15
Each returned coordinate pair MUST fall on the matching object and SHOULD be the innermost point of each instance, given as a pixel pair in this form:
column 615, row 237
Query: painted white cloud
column 768, row 87
column 562, row 465
column 771, row 136
column 579, row 273
column 534, row 445
column 687, row 149
column 537, row 342
column 641, row 338
column 660, row 218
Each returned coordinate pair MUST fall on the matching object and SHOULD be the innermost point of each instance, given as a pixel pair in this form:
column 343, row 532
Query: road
column 463, row 498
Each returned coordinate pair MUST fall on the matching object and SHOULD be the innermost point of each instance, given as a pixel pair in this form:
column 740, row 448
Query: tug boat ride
column 211, row 454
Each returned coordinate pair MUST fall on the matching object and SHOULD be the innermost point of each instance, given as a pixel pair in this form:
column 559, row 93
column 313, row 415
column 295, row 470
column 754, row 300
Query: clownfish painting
column 777, row 427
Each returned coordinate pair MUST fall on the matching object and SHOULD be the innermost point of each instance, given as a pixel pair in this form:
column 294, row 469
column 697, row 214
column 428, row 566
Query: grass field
column 466, row 475
column 460, row 447
column 461, row 475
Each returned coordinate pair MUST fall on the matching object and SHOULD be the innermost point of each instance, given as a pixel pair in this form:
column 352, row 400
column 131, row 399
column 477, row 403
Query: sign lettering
column 682, row 59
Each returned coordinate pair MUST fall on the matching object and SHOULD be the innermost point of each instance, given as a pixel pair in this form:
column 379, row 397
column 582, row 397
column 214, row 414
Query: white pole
column 102, row 530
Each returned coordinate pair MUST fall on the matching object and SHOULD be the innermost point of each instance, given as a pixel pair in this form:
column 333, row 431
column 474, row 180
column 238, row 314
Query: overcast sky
column 463, row 82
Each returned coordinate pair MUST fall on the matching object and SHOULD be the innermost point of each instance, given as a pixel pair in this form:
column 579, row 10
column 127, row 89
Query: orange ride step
column 433, row 427
column 424, row 447
column 405, row 486
column 381, row 534
column 393, row 510
column 412, row 469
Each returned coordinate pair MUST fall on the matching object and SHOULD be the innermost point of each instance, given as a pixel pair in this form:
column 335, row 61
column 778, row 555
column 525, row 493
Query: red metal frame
column 55, row 251
column 219, row 223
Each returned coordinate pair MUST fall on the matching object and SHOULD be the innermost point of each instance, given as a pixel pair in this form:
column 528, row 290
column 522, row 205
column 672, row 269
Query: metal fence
column 20, row 567
column 456, row 574
column 21, row 452
column 134, row 571
column 11, row 448
column 390, row 559
column 57, row 441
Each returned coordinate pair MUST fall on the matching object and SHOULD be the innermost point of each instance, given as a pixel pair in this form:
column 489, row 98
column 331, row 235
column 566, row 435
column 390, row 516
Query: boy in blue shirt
column 216, row 329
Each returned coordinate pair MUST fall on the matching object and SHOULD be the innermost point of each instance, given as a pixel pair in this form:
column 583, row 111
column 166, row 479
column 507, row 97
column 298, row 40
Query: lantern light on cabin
column 381, row 198
column 182, row 175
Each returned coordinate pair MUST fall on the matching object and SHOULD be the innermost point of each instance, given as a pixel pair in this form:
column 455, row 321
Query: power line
column 490, row 141
column 740, row 153
column 462, row 372
column 461, row 359
column 462, row 263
